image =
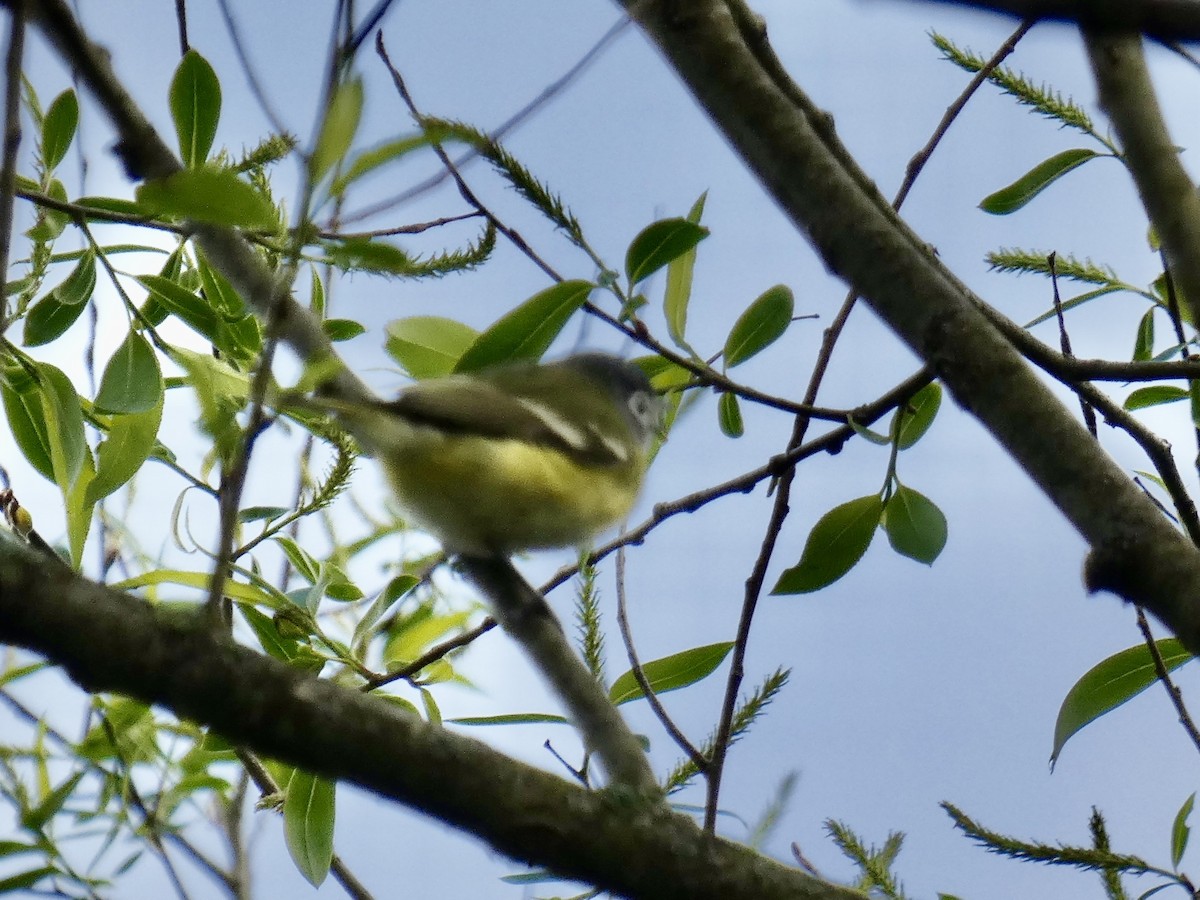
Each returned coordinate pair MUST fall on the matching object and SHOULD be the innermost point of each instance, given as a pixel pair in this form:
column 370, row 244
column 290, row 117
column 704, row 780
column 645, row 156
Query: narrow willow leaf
column 915, row 527
column 763, row 322
column 1143, row 345
column 1109, row 684
column 1180, row 832
column 79, row 508
column 511, row 719
column 23, row 407
column 658, row 244
column 360, row 254
column 1194, row 394
column 671, row 672
column 1073, row 302
column 678, row 293
column 190, row 308
column 1154, row 395
column 371, row 160
column 262, row 513
column 864, row 432
column 729, row 416
column 127, row 446
column 308, row 814
column 195, row 100
column 27, row 879
column 132, row 380
column 338, row 129
column 258, row 594
column 342, row 329
column 211, row 195
column 302, row 561
column 836, row 543
column 396, row 589
column 64, row 425
column 428, row 346
column 35, row 819
column 1010, row 199
column 917, row 415
column 58, row 128
column 526, row 332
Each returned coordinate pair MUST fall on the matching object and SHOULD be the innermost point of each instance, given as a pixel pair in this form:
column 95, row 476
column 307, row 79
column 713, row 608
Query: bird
column 515, row 457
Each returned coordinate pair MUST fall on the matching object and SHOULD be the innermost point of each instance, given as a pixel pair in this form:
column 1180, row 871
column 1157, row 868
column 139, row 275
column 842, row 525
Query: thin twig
column 12, row 137
column 779, row 509
column 1164, row 676
column 432, row 655
column 698, row 759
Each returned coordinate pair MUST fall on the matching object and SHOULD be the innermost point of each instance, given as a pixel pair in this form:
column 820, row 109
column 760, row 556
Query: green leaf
column 526, row 332
column 48, row 319
column 79, row 509
column 917, row 415
column 207, row 194
column 64, row 425
column 129, row 443
column 511, row 719
column 51, row 316
column 132, row 380
column 34, row 819
column 23, row 407
column 195, row 99
column 658, row 244
column 371, row 160
column 342, row 329
column 1180, row 832
column 260, row 594
column 302, row 561
column 1153, row 395
column 1143, row 346
column 1194, row 394
column 261, row 513
column 396, row 589
column 678, row 292
column 27, row 879
column 364, row 254
column 671, row 672
column 1110, row 683
column 308, row 814
column 1010, row 199
column 222, row 392
column 763, row 322
column 915, row 527
column 193, row 310
column 50, row 223
column 868, row 434
column 338, row 129
column 836, row 543
column 58, row 128
column 729, row 415
column 428, row 346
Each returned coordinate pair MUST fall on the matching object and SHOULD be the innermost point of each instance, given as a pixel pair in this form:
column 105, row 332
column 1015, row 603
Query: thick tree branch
column 1167, row 191
column 112, row 642
column 1166, row 19
column 720, row 50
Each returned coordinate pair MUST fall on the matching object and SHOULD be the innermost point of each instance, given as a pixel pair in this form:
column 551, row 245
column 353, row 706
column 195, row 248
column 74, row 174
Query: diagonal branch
column 1165, row 19
column 109, row 641
column 720, row 50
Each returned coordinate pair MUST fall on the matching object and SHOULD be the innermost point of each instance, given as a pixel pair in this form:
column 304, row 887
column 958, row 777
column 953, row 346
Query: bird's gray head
column 629, row 387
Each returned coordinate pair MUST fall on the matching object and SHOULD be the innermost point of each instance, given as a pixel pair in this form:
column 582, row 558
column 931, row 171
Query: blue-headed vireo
column 520, row 456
